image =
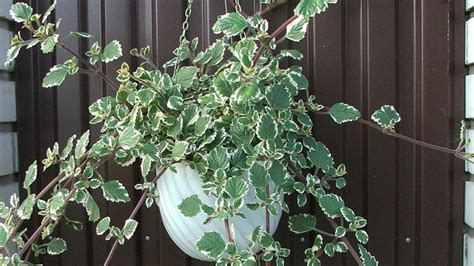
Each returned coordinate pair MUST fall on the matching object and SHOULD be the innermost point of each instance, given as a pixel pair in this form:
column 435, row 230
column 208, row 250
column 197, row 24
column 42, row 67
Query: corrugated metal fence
column 408, row 53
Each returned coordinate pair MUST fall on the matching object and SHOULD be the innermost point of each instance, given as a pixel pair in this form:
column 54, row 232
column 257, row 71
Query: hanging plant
column 222, row 139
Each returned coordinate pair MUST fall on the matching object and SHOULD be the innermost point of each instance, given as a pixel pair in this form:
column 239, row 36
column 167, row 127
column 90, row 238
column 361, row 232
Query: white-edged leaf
column 112, row 51
column 367, row 258
column 102, row 226
column 82, row 34
column 114, row 191
column 56, row 76
column 302, row 223
column 145, row 166
column 342, row 113
column 12, row 54
column 179, row 149
column 129, row 228
column 186, row 75
column 331, row 205
column 21, row 12
column 48, row 45
column 211, row 244
column 190, row 206
column 129, row 138
column 56, row 246
column 296, row 30
column 30, row 175
column 362, row 236
column 267, row 128
column 81, row 145
column 49, row 11
column 26, row 208
column 3, row 235
column 230, row 24
column 92, row 209
column 386, row 117
column 236, row 187
column 309, row 8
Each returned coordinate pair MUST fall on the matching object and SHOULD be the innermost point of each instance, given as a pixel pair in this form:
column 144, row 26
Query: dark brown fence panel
column 364, row 52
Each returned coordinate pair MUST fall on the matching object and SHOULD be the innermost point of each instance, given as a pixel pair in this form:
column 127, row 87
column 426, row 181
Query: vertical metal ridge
column 396, row 260
column 417, row 122
column 365, row 72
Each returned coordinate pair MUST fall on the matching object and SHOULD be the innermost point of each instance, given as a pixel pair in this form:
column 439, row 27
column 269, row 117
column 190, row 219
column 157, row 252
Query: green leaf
column 68, row 148
column 202, row 124
column 231, row 24
column 49, row 11
column 175, row 102
column 186, row 76
column 362, row 236
column 129, row 228
column 267, row 128
column 341, row 247
column 302, row 223
column 12, row 53
column 190, row 206
column 3, row 235
column 296, row 30
column 218, row 158
column 331, row 205
column 258, row 175
column 112, row 51
column 179, row 150
column 321, row 157
column 26, row 208
column 342, row 113
column 348, row 214
column 278, row 172
column 114, row 191
column 329, row 249
column 278, row 97
column 340, row 231
column 92, row 209
column 21, row 12
column 146, row 96
column 85, row 35
column 367, row 258
column 387, row 117
column 247, row 92
column 146, row 165
column 48, row 45
column 211, row 244
column 56, row 202
column 309, row 8
column 102, row 226
column 30, row 175
column 56, row 246
column 129, row 138
column 236, row 187
column 55, row 77
column 81, row 145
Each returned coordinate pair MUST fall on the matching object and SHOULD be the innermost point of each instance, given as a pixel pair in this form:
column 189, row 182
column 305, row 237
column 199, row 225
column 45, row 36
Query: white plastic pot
column 186, row 231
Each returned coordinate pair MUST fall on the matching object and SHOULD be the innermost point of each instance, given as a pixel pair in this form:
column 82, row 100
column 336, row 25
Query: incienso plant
column 231, row 114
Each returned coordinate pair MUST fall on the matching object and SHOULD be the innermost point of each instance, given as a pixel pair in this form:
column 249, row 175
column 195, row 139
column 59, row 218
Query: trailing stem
column 353, row 252
column 132, row 215
column 458, row 151
column 90, row 66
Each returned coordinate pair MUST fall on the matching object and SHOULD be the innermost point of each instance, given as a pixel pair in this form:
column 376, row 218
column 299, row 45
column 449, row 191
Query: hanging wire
column 225, row 6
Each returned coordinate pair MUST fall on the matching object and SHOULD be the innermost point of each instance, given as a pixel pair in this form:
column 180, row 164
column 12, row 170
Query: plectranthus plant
column 231, row 112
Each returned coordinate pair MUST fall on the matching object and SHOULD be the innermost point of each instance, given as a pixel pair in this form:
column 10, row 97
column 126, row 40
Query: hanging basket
column 185, row 231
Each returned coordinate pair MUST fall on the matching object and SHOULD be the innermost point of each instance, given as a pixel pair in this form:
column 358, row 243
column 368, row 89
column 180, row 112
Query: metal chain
column 184, row 29
column 238, row 8
column 185, row 26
